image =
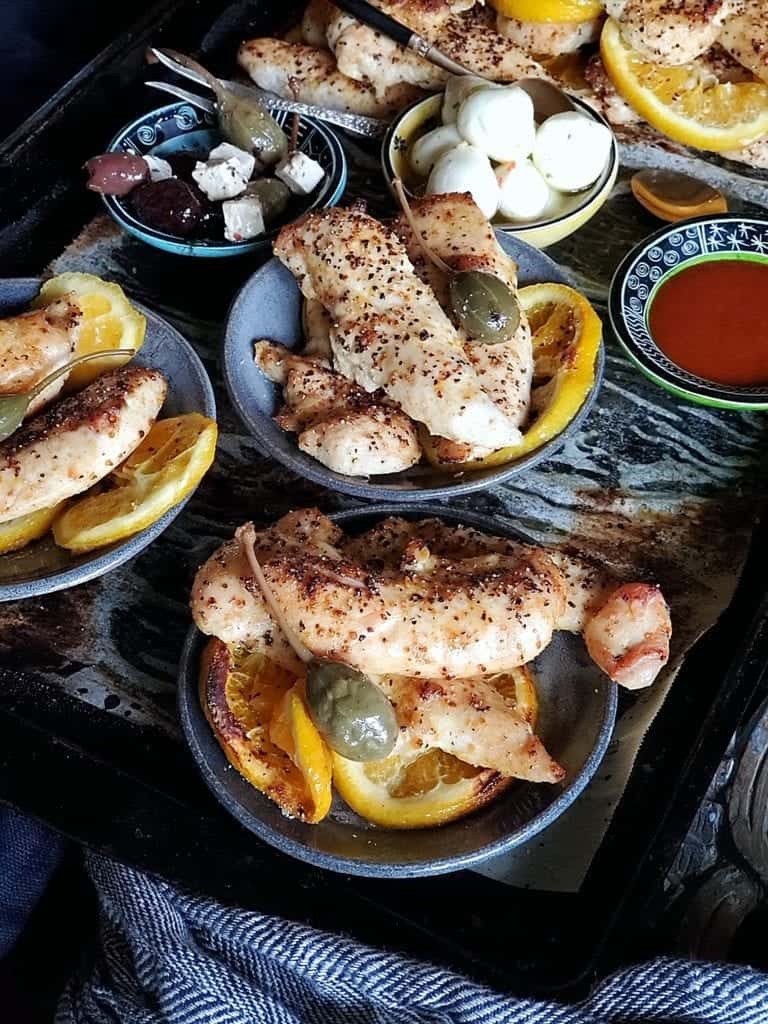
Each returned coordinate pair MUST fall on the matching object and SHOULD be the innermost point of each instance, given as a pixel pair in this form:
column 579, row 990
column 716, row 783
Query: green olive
column 351, row 712
column 245, row 123
column 274, row 196
column 486, row 308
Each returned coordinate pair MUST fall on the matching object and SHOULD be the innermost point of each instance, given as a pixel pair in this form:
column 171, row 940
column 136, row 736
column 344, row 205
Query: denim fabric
column 29, row 854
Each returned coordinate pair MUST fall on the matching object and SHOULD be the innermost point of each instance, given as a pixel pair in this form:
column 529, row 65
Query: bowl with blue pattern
column 653, row 263
column 180, row 128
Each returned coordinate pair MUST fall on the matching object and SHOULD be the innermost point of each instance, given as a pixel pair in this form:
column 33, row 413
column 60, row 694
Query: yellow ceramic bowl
column 577, row 209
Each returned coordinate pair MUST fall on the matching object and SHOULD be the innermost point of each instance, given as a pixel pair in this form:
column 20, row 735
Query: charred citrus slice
column 165, row 468
column 293, row 731
column 567, row 333
column 256, row 711
column 686, row 103
column 422, row 788
column 109, row 321
column 17, row 533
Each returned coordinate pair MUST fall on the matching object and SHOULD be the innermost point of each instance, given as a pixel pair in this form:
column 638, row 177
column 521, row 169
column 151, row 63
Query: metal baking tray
column 131, row 791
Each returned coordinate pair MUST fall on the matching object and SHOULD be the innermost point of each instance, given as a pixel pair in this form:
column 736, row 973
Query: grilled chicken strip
column 548, row 38
column 317, row 331
column 471, row 720
column 78, row 441
column 432, row 616
column 745, row 36
column 337, row 422
column 35, row 344
column 388, row 330
column 457, row 231
column 295, row 71
column 670, row 32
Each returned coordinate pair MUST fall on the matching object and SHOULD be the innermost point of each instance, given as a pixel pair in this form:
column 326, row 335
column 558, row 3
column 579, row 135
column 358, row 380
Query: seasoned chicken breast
column 35, row 344
column 473, row 721
column 456, row 230
column 548, row 38
column 78, row 441
column 671, row 32
column 404, row 610
column 337, row 422
column 314, row 23
column 388, row 330
column 744, row 35
column 317, row 330
column 295, row 71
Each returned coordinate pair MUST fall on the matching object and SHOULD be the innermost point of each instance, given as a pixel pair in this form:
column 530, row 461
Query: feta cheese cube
column 226, row 151
column 243, row 218
column 159, row 169
column 220, row 179
column 300, row 173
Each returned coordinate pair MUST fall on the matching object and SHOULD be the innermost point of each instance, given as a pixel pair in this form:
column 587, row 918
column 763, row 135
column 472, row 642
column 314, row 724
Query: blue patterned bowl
column 643, row 271
column 180, row 127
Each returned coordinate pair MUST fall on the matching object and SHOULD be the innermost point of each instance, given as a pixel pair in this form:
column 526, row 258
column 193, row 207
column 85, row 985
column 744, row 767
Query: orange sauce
column 712, row 319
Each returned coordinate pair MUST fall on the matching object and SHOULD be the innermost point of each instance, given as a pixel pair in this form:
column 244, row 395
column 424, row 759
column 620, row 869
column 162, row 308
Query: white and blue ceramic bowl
column 42, row 567
column 180, row 127
column 577, row 712
column 269, row 305
column 648, row 266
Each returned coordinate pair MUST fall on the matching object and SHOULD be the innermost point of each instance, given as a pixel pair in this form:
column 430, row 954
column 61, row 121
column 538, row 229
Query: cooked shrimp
column 474, row 722
column 628, row 637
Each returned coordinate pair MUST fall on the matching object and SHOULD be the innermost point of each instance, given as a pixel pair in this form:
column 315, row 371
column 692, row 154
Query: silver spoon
column 13, row 408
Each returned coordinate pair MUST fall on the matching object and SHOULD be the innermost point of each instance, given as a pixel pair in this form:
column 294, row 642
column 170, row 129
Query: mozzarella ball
column 571, row 150
column 499, row 122
column 457, row 90
column 427, row 150
column 466, row 169
column 524, row 194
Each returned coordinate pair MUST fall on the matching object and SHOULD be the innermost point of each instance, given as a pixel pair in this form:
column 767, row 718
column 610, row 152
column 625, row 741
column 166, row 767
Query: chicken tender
column 337, row 422
column 745, row 36
column 547, row 38
column 35, row 344
column 671, row 32
column 78, row 441
column 295, row 71
column 388, row 330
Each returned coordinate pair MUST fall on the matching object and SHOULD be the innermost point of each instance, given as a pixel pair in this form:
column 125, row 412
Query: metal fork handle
column 183, row 94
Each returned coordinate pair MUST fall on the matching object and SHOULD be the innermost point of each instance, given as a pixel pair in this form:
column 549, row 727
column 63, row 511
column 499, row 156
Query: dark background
column 44, row 42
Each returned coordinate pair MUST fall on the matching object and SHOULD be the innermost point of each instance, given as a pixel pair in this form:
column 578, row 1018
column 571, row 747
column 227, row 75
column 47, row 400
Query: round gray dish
column 43, row 568
column 269, row 306
column 577, row 712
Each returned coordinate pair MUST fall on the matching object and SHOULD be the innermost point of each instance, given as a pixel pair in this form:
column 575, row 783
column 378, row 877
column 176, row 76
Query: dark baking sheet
column 132, row 791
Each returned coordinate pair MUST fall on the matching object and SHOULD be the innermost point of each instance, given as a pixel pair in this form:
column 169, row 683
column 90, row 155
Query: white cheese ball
column 525, row 195
column 499, row 122
column 457, row 90
column 427, row 150
column 571, row 150
column 466, row 169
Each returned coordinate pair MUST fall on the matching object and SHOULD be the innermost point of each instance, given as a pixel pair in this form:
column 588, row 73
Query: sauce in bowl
column 711, row 320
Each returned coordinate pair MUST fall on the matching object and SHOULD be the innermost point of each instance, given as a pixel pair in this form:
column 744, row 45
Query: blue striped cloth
column 167, row 957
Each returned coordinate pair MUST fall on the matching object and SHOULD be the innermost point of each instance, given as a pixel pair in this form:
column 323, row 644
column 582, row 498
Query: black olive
column 351, row 712
column 170, row 206
column 485, row 307
column 116, row 174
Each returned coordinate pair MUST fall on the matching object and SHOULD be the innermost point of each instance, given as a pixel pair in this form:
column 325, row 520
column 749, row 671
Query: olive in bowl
column 176, row 143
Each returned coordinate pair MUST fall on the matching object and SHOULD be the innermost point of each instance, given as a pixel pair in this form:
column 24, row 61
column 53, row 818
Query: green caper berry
column 351, row 712
column 486, row 308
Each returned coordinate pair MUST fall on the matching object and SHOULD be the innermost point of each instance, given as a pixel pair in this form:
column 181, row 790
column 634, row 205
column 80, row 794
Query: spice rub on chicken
column 78, row 441
column 388, row 331
column 338, row 423
column 427, row 601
